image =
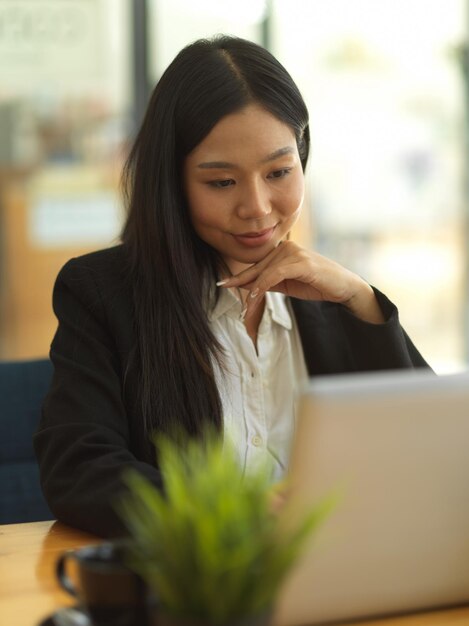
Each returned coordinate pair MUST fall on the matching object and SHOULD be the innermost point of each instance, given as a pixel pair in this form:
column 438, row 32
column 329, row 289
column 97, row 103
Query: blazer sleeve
column 84, row 440
column 380, row 346
column 335, row 341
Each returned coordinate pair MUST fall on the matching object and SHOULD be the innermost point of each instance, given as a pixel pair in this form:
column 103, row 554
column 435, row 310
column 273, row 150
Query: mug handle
column 61, row 571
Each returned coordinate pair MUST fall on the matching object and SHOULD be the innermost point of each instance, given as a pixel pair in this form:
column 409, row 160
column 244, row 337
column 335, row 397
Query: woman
column 206, row 313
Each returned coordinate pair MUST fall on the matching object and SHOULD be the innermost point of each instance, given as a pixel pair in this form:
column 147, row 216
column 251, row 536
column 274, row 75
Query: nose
column 254, row 201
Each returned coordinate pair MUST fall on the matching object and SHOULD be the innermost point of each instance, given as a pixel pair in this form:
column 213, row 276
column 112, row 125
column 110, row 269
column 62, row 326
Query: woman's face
column 244, row 186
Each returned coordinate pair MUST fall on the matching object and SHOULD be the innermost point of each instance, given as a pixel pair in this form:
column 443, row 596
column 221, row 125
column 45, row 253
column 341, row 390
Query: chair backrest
column 23, row 385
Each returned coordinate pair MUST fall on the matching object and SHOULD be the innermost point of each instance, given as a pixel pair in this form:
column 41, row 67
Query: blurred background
column 386, row 85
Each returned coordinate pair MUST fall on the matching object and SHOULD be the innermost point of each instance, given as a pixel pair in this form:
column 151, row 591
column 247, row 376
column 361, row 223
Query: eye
column 280, row 173
column 221, row 184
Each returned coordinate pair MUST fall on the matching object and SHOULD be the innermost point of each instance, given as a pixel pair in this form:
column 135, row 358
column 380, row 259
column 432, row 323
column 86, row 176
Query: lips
column 255, row 238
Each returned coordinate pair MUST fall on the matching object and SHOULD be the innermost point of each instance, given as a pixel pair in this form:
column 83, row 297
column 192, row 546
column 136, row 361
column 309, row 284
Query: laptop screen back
column 395, row 447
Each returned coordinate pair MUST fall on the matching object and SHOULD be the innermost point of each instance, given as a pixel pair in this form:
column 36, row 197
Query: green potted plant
column 210, row 548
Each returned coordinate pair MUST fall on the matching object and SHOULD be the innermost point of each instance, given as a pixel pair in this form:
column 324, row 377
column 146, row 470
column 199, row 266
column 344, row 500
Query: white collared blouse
column 258, row 389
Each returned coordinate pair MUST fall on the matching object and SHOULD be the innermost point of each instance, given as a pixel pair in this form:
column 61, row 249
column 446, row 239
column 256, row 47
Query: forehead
column 252, row 132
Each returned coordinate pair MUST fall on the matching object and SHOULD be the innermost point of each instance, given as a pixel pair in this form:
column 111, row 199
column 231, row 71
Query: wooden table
column 29, row 591
column 28, row 588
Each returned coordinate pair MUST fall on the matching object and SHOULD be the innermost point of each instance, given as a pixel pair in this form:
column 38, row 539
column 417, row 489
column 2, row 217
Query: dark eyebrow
column 221, row 165
column 278, row 153
column 224, row 165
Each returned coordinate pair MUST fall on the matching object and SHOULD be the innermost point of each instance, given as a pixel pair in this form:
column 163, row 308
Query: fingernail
column 243, row 314
column 254, row 292
column 222, row 282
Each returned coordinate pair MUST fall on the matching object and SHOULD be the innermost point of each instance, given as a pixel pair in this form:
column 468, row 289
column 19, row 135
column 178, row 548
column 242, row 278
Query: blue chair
column 23, row 385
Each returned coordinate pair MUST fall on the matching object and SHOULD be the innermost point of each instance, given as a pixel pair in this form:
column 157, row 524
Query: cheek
column 292, row 197
column 204, row 212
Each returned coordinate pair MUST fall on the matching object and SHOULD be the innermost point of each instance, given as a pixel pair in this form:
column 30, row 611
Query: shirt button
column 256, row 440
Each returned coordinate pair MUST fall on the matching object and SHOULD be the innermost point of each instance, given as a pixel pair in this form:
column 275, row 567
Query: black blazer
column 91, row 425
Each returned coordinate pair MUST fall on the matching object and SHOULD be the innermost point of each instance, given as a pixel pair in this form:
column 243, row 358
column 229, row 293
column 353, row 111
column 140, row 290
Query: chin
column 253, row 256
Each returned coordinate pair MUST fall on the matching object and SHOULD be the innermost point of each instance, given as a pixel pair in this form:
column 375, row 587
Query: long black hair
column 170, row 266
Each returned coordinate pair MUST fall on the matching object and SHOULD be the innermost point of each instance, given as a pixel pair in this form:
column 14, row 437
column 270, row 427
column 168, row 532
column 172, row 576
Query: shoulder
column 103, row 268
column 100, row 276
column 102, row 262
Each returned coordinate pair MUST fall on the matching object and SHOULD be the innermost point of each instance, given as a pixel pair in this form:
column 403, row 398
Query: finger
column 247, row 276
column 253, row 300
column 271, row 279
column 294, row 279
column 274, row 277
column 249, row 279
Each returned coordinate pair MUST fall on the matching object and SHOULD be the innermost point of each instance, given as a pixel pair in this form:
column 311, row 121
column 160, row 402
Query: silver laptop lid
column 396, row 447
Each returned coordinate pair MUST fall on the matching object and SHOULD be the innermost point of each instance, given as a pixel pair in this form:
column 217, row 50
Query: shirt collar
column 229, row 304
column 276, row 304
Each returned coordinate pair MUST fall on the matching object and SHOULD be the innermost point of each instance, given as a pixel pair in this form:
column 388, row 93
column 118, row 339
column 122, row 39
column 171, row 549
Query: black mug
column 105, row 588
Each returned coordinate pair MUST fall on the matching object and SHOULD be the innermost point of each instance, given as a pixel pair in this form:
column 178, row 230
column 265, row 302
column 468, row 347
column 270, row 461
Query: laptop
column 394, row 449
